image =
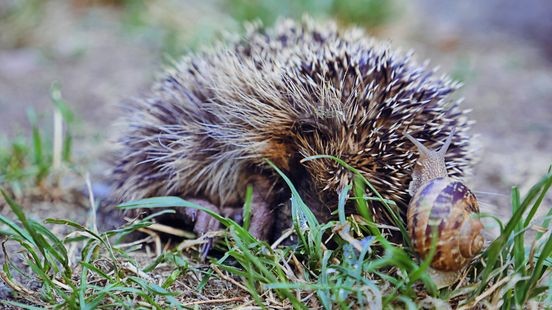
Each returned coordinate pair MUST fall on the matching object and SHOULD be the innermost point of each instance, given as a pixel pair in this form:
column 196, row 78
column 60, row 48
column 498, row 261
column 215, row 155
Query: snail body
column 443, row 208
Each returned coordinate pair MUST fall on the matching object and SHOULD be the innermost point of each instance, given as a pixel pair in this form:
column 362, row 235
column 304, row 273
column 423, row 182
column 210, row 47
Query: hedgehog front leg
column 262, row 219
column 261, row 216
column 203, row 222
column 261, row 222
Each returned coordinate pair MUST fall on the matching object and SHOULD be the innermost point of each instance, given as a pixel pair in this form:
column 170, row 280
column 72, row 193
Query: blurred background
column 101, row 52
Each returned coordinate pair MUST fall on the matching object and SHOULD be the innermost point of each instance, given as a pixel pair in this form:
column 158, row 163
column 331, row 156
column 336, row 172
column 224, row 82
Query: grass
column 27, row 161
column 63, row 264
column 21, row 18
column 367, row 13
column 341, row 264
column 508, row 274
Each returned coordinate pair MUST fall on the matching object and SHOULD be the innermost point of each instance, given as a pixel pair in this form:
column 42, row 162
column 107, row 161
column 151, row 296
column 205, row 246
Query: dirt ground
column 506, row 68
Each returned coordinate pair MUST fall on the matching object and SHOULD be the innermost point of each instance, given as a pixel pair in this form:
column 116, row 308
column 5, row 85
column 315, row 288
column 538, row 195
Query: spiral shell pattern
column 445, row 208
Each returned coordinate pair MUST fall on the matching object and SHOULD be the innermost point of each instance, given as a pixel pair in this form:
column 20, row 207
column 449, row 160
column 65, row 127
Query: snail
column 443, row 208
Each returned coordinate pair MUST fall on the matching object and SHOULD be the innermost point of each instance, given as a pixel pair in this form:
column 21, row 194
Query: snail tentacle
column 445, row 206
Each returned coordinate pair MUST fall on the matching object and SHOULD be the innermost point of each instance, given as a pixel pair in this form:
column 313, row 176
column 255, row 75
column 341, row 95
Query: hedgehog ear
column 443, row 150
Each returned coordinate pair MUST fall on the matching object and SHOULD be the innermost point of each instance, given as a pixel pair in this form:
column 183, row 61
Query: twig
column 92, row 203
column 213, row 301
column 130, row 244
column 156, row 240
column 486, row 293
column 227, row 278
column 131, row 268
column 201, row 240
column 171, row 230
column 14, row 285
column 58, row 140
column 343, row 232
column 62, row 285
column 283, row 237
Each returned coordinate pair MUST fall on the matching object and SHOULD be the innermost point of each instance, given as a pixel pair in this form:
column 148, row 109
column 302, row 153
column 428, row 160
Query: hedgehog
column 212, row 124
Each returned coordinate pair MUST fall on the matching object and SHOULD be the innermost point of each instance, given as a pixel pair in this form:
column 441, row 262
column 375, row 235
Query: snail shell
column 444, row 208
column 449, row 207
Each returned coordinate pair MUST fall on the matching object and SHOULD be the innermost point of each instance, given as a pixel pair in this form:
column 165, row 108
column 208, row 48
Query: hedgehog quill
column 298, row 89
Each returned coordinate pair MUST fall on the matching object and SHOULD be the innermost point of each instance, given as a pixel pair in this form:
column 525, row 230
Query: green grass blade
column 49, row 242
column 268, row 275
column 305, row 222
column 545, row 223
column 494, row 251
column 518, row 249
column 15, row 228
column 38, row 156
column 323, row 292
column 342, row 200
column 362, row 205
column 247, row 207
column 18, row 211
column 60, row 103
column 391, row 210
column 19, row 305
column 539, row 269
column 538, row 202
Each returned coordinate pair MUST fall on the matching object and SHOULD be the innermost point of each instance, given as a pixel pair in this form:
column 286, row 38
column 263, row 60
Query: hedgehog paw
column 262, row 218
column 236, row 214
column 203, row 222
